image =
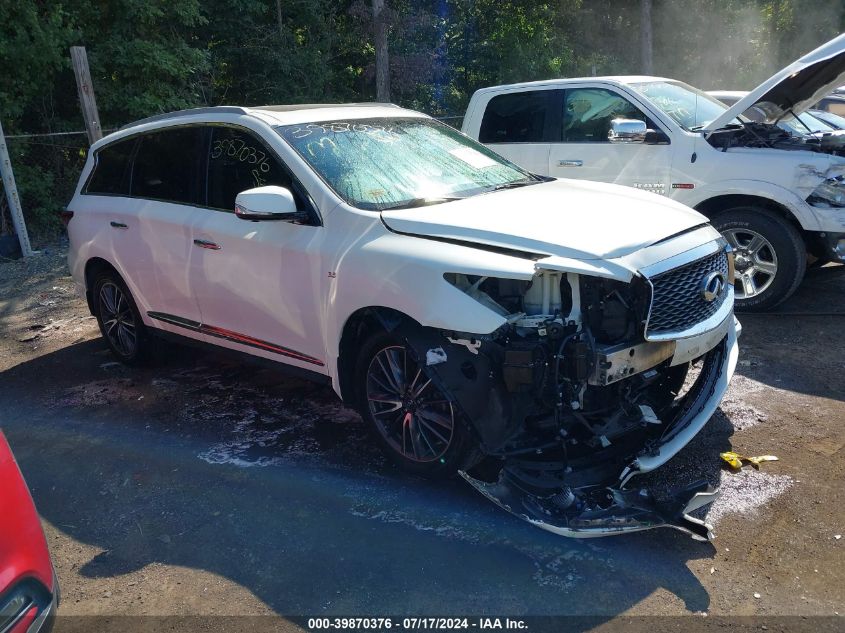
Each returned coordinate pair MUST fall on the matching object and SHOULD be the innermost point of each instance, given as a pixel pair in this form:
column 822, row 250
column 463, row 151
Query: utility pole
column 12, row 197
column 645, row 38
column 382, row 62
column 774, row 40
column 279, row 20
column 86, row 93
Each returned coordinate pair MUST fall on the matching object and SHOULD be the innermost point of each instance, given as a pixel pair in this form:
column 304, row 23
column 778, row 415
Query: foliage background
column 150, row 56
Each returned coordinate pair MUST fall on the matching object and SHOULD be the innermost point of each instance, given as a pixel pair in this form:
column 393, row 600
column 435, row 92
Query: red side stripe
column 248, row 340
column 237, row 337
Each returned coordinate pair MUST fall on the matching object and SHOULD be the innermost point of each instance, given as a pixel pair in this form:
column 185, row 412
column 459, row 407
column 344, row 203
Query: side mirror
column 656, row 137
column 627, row 131
column 267, row 203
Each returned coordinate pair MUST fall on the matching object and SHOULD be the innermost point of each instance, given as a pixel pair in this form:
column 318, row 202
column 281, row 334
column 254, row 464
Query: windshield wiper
column 515, row 184
column 421, row 202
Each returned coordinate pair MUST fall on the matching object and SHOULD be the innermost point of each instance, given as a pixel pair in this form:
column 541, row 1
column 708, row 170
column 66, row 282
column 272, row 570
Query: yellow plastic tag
column 735, row 459
column 762, row 458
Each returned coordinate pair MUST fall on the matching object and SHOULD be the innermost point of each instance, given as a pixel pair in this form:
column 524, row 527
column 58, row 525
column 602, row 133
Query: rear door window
column 520, row 117
column 111, row 169
column 167, row 165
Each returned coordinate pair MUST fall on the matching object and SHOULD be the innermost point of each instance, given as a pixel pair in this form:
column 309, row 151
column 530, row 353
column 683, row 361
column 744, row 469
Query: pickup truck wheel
column 770, row 256
column 417, row 427
column 119, row 320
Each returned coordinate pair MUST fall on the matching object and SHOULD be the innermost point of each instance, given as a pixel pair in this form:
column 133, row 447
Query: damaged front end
column 589, row 383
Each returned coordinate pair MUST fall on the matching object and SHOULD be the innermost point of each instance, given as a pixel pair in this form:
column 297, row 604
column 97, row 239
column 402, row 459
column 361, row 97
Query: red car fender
column 23, row 548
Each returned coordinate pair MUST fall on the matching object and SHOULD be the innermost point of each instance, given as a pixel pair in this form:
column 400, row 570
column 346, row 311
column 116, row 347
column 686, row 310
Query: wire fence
column 46, row 168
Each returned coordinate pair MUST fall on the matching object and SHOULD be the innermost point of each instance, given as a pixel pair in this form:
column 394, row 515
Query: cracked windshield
column 382, row 164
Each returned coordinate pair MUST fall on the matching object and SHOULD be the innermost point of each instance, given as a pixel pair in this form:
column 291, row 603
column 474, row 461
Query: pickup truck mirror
column 656, row 137
column 267, row 203
column 627, row 131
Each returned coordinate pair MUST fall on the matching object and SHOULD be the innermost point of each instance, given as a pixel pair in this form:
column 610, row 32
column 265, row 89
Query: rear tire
column 770, row 256
column 416, row 426
column 119, row 319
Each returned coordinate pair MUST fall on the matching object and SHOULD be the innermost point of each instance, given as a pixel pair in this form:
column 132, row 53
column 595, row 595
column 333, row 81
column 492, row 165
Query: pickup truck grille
column 678, row 301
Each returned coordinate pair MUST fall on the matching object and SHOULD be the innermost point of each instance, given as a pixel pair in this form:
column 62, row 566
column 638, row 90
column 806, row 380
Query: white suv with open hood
column 775, row 196
column 464, row 306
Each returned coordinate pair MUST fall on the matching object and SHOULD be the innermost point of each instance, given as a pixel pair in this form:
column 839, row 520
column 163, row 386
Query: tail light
column 23, row 605
column 25, row 621
column 66, row 216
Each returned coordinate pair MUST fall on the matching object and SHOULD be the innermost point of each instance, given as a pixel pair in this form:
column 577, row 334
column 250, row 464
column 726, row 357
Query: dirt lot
column 197, row 486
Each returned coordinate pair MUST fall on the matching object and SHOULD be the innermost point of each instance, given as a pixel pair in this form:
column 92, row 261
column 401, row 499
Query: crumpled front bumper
column 628, row 509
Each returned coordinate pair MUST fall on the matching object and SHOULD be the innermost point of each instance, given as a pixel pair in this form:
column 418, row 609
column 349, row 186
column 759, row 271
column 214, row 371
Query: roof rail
column 180, row 113
column 317, row 106
column 241, row 110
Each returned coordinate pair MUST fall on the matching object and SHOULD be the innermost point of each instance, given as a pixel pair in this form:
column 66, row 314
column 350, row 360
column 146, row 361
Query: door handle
column 118, row 225
column 570, row 163
column 206, row 244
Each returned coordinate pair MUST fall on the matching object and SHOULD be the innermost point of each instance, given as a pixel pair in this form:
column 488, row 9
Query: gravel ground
column 196, row 486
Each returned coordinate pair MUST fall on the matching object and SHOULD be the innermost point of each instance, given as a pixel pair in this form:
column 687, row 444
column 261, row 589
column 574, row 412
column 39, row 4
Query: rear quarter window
column 110, row 175
column 518, row 117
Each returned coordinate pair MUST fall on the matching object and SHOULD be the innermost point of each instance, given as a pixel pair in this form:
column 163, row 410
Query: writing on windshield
column 394, row 162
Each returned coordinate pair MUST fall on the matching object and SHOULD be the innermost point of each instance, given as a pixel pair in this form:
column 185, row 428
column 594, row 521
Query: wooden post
column 12, row 197
column 86, row 93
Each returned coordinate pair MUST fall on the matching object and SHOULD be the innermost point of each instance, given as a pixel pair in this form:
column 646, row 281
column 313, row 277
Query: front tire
column 770, row 256
column 417, row 427
column 119, row 320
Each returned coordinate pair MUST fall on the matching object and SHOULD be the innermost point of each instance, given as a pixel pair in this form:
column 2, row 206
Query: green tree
column 264, row 52
column 34, row 37
column 146, row 56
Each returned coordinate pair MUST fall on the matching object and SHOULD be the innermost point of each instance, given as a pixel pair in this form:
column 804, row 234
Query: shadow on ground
column 802, row 335
column 269, row 482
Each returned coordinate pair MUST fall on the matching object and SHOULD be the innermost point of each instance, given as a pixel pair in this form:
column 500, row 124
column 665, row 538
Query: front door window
column 587, row 113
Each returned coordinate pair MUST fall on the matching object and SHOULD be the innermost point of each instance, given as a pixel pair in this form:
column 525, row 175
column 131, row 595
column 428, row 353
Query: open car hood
column 797, row 87
column 568, row 218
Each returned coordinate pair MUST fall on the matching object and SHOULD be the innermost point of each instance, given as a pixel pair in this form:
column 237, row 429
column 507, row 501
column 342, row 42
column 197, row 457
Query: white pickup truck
column 778, row 198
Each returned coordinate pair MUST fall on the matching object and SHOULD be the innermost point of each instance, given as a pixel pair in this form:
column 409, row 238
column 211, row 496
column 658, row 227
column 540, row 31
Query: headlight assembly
column 831, row 193
column 503, row 296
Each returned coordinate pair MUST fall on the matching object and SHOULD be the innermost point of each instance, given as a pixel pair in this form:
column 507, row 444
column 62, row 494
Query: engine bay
column 753, row 134
column 573, row 362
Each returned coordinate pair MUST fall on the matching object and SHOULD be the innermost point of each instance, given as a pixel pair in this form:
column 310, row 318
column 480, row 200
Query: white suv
column 774, row 195
column 464, row 306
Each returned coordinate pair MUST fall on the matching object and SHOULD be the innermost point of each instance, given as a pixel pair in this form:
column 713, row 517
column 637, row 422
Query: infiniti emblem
column 712, row 286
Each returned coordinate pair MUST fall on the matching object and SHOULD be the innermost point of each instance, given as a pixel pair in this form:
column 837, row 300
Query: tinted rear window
column 111, row 171
column 167, row 165
column 518, row 117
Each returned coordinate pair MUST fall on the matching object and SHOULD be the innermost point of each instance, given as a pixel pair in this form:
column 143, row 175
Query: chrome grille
column 677, row 299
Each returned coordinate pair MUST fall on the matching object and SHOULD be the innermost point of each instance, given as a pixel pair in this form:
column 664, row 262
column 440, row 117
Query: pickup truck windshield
column 689, row 107
column 388, row 163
